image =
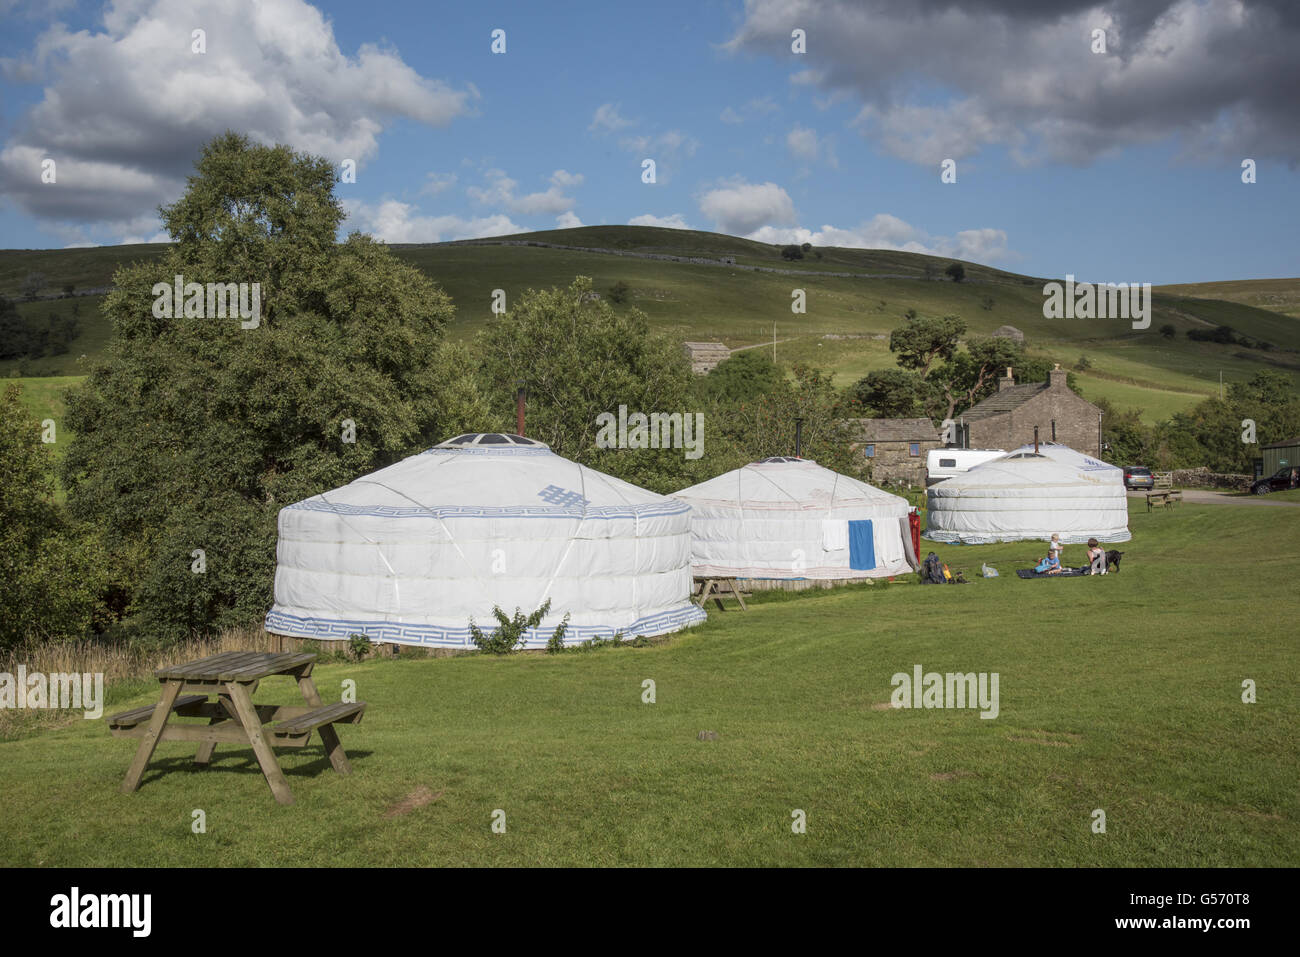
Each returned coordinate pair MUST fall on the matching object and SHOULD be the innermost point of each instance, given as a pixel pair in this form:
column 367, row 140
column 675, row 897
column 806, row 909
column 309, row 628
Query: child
column 1096, row 558
column 1051, row 565
column 1056, row 543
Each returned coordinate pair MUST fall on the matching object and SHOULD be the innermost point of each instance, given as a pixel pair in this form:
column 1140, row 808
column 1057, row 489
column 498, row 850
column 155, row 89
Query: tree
column 1083, row 364
column 766, row 426
column 744, row 376
column 196, row 431
column 956, row 272
column 581, row 358
column 52, row 569
column 921, row 341
column 618, row 293
column 32, row 285
column 1168, row 330
column 806, row 247
column 892, row 394
column 791, row 252
column 967, row 377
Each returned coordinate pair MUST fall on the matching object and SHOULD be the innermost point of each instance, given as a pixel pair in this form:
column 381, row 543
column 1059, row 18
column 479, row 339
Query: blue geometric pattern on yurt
column 332, row 629
column 561, row 496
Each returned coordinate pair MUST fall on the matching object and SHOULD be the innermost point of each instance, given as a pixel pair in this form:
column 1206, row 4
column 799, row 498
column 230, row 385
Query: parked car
column 1135, row 476
column 1280, row 480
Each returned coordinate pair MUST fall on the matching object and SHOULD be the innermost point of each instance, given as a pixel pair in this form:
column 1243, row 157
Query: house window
column 914, row 449
column 870, row 451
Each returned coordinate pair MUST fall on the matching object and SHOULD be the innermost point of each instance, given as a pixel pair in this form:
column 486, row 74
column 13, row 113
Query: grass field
column 1121, row 693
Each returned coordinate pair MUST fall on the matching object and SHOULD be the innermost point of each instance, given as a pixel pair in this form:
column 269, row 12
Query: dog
column 1112, row 558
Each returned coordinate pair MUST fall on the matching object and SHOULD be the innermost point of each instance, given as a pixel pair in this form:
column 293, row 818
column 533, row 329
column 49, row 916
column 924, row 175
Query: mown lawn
column 1121, row 693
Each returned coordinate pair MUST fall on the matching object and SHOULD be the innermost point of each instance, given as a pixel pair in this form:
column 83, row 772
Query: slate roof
column 896, row 430
column 1285, row 443
column 1004, row 401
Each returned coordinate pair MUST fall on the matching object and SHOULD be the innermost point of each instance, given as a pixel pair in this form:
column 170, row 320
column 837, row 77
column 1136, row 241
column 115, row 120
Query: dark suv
column 1135, row 476
column 1280, row 480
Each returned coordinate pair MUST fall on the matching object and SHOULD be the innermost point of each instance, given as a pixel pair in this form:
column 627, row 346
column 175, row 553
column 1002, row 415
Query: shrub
column 619, row 292
column 956, row 272
column 513, row 630
column 359, row 646
column 1168, row 330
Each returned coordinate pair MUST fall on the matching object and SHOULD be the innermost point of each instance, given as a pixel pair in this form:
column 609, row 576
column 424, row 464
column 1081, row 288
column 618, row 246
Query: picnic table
column 1163, row 491
column 230, row 679
column 706, row 586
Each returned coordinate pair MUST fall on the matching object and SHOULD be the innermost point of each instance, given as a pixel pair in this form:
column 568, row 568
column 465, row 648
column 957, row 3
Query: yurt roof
column 490, row 475
column 1022, row 468
column 790, row 482
column 1059, row 452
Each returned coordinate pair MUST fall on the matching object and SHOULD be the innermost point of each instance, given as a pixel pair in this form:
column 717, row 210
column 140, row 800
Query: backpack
column 932, row 571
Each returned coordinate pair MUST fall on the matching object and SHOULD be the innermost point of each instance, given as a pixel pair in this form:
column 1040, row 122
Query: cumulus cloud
column 126, row 141
column 500, row 192
column 729, row 115
column 1210, row 76
column 606, row 118
column 435, row 183
column 740, row 207
column 884, row 231
column 567, row 220
column 675, row 221
column 396, row 222
column 802, row 142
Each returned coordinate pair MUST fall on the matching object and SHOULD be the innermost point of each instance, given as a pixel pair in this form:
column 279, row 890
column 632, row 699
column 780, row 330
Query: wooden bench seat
column 340, row 712
column 129, row 719
column 1163, row 491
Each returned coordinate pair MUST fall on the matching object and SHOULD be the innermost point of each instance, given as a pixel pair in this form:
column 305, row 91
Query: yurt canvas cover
column 1028, row 495
column 790, row 518
column 410, row 553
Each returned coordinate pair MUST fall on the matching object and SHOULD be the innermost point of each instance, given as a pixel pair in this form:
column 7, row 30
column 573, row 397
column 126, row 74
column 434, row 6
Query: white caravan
column 943, row 464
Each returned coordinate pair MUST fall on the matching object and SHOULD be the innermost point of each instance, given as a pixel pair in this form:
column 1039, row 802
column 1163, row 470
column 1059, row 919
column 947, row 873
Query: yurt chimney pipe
column 521, row 394
column 1053, row 430
column 798, row 438
column 1035, row 440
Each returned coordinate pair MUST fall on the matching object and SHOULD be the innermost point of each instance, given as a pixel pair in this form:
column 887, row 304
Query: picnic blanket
column 1063, row 573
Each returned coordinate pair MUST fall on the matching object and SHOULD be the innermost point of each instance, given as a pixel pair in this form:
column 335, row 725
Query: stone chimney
column 1056, row 379
column 1007, row 381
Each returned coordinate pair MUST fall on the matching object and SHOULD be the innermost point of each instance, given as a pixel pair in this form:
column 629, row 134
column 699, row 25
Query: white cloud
column 500, row 192
column 607, row 118
column 802, row 142
column 675, row 221
column 1023, row 75
column 435, row 183
column 567, row 220
column 729, row 115
column 884, row 231
column 397, row 222
column 740, row 207
column 564, row 179
column 127, row 106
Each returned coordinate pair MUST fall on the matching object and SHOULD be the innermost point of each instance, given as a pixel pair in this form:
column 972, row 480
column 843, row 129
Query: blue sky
column 1123, row 166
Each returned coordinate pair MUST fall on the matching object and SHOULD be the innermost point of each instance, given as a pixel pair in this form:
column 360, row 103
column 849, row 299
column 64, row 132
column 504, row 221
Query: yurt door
column 862, row 546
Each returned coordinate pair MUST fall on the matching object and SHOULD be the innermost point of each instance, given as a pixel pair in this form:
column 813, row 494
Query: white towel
column 835, row 535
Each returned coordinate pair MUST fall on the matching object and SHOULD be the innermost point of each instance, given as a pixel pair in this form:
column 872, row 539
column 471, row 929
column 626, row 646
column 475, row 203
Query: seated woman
column 1096, row 558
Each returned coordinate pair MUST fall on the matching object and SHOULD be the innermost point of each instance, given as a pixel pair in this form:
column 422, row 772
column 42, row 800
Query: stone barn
column 1009, row 332
column 704, row 356
column 895, row 448
column 1006, row 419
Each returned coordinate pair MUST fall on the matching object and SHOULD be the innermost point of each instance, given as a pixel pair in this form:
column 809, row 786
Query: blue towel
column 862, row 546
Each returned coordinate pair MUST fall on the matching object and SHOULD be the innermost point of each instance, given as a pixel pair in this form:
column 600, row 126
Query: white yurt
column 789, row 518
column 1031, row 495
column 410, row 553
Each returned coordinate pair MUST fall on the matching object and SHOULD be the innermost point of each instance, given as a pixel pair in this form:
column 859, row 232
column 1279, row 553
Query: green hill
column 749, row 301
